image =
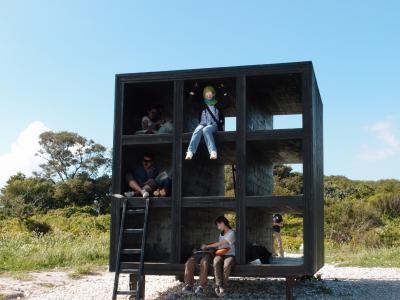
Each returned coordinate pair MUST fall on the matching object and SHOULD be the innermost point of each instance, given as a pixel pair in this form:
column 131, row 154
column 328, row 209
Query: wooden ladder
column 123, row 233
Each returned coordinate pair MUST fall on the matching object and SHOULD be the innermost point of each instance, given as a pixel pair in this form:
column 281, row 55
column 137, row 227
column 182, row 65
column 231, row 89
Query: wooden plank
column 147, row 139
column 308, row 165
column 279, row 203
column 220, row 136
column 318, row 180
column 281, row 68
column 116, row 171
column 176, row 204
column 209, row 201
column 275, row 134
column 241, row 169
column 155, row 202
column 267, row 270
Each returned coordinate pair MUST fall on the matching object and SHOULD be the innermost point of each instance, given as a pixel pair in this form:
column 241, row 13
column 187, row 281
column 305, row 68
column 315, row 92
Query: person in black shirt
column 277, row 224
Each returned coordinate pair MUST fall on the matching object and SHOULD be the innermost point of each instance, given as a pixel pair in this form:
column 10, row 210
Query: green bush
column 387, row 204
column 348, row 219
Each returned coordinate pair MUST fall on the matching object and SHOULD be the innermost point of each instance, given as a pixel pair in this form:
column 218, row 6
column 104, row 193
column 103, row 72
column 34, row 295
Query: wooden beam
column 241, row 169
column 279, row 203
column 147, row 139
column 176, row 204
column 266, row 270
column 209, row 201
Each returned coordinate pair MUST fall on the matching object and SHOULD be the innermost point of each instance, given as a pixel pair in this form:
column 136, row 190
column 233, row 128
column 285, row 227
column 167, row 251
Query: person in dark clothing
column 146, row 179
column 277, row 224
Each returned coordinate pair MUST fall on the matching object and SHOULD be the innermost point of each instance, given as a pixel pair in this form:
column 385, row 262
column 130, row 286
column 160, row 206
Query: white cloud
column 388, row 141
column 21, row 157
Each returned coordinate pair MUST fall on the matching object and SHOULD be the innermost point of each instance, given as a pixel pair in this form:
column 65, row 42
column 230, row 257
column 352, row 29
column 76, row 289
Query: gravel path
column 336, row 283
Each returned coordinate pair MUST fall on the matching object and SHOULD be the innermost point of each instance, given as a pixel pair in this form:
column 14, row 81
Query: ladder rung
column 131, row 251
column 129, row 270
column 131, row 292
column 133, row 230
column 135, row 211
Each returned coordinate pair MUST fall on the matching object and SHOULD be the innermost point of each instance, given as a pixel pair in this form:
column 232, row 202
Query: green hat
column 208, row 88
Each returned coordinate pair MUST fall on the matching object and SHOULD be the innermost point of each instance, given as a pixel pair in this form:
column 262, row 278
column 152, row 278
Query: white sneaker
column 145, row 193
column 189, row 155
column 213, row 155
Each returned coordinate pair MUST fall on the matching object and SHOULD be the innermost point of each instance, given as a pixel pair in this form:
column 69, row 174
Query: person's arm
column 227, row 241
column 145, row 123
column 215, row 245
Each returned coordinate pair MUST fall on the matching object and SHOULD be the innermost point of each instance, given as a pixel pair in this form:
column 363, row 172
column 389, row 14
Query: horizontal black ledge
column 279, row 203
column 220, row 136
column 152, row 268
column 246, row 70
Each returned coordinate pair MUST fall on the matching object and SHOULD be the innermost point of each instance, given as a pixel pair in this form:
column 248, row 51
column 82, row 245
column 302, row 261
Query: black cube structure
column 255, row 95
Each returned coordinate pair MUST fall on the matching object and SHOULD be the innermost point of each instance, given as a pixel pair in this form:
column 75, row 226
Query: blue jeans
column 208, row 132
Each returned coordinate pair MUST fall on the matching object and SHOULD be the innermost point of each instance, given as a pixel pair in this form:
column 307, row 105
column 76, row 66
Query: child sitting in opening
column 211, row 120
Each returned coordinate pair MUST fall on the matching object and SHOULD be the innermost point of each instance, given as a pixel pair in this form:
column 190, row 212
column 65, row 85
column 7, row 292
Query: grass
column 83, row 270
column 78, row 240
column 347, row 256
column 72, row 242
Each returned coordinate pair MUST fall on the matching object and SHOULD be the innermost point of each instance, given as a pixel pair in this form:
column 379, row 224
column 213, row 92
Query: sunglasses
column 147, row 160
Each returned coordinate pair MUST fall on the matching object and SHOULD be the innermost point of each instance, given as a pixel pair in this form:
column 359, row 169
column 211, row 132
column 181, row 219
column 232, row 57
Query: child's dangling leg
column 194, row 142
column 208, row 132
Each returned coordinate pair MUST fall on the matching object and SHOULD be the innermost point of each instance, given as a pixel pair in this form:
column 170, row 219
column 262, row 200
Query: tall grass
column 80, row 239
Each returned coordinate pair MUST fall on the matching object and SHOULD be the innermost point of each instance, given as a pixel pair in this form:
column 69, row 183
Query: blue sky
column 58, row 60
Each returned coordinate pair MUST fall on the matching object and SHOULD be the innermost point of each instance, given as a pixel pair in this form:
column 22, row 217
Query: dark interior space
column 269, row 95
column 193, row 99
column 140, row 97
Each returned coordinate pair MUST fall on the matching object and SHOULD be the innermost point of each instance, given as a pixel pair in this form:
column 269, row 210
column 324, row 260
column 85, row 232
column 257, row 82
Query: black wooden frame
column 310, row 204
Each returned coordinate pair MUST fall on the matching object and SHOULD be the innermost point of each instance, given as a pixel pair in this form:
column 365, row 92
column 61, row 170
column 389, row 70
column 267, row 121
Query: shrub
column 387, row 204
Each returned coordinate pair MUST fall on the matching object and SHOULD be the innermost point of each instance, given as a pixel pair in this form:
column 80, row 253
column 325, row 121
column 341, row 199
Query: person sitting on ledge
column 211, row 120
column 146, row 179
column 153, row 123
column 223, row 255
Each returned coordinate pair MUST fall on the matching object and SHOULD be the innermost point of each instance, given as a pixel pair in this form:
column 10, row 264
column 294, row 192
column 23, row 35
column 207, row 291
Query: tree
column 68, row 154
column 22, row 196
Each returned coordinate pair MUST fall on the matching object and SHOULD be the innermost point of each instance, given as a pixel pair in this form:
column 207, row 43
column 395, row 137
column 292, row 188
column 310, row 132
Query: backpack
column 258, row 252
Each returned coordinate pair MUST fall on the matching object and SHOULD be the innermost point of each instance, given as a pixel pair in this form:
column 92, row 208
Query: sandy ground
column 336, row 283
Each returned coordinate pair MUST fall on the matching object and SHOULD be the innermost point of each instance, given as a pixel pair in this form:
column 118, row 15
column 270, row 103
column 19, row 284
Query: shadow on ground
column 251, row 288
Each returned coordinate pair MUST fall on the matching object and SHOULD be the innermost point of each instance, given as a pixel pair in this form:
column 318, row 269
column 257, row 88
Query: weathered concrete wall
column 202, row 176
column 259, row 177
column 158, row 245
column 259, row 227
column 257, row 117
column 259, row 169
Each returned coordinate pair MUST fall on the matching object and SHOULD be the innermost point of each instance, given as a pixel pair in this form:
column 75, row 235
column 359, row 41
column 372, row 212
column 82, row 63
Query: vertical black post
column 241, row 168
column 176, row 203
column 308, row 223
column 116, row 170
